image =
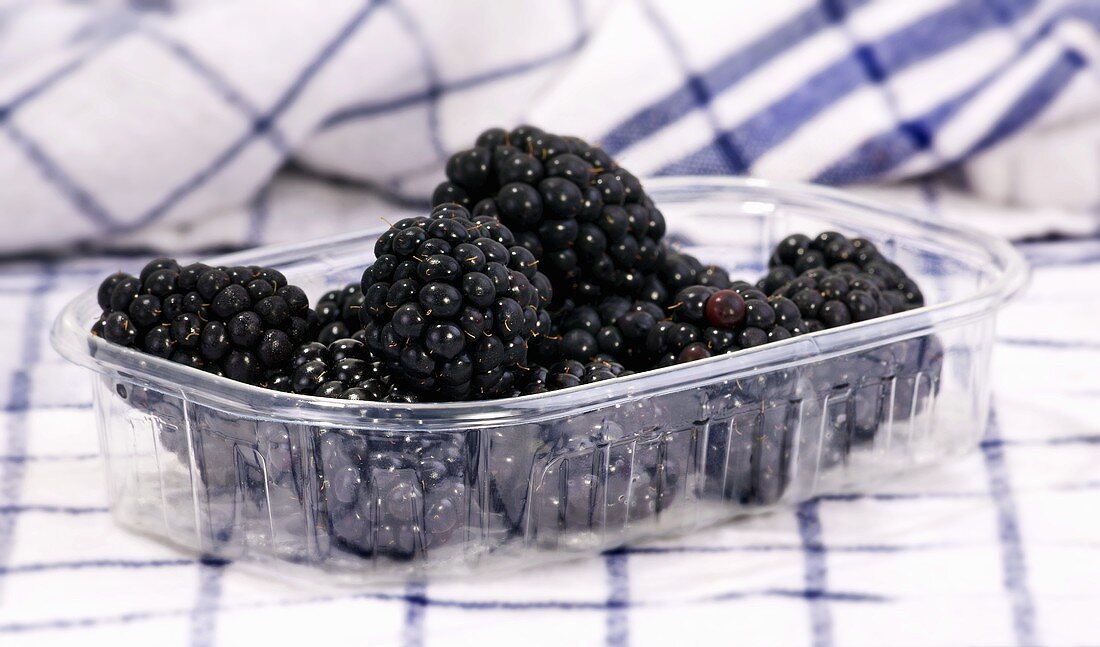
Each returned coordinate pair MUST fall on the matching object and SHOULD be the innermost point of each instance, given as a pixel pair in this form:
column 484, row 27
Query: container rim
column 71, row 338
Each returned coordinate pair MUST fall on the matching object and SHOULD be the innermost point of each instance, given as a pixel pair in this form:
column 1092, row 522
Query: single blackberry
column 345, row 368
column 338, row 313
column 614, row 328
column 679, row 270
column 827, row 299
column 833, row 281
column 393, row 495
column 586, row 220
column 799, row 255
column 238, row 322
column 451, row 303
column 569, row 373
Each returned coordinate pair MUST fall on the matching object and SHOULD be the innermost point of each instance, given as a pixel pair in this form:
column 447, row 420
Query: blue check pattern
column 998, row 542
column 914, row 88
column 995, row 549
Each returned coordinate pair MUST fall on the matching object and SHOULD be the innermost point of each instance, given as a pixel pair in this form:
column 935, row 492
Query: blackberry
column 569, row 373
column 827, row 299
column 708, row 321
column 845, row 260
column 240, row 322
column 586, row 220
column 393, row 495
column 679, row 270
column 833, row 281
column 338, row 313
column 346, row 369
column 614, row 328
column 451, row 304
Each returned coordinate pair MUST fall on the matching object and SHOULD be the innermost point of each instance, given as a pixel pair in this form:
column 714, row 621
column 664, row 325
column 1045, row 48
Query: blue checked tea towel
column 192, row 125
column 164, row 127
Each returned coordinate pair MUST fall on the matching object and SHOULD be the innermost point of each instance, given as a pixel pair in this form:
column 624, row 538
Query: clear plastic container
column 378, row 491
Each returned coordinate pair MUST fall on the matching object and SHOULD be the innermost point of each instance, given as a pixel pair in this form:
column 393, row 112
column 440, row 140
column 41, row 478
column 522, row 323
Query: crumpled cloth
column 163, row 124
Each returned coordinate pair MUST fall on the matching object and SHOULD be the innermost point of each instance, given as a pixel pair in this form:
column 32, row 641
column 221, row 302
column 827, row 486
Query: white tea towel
column 126, row 126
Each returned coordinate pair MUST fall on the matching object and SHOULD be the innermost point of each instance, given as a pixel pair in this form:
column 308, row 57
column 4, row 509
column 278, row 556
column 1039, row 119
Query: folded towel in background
column 165, row 124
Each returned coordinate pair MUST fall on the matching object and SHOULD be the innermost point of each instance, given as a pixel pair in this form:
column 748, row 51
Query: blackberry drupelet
column 451, row 302
column 586, row 220
column 239, row 322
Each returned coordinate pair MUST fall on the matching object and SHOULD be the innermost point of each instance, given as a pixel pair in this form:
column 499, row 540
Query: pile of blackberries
column 238, row 322
column 542, row 266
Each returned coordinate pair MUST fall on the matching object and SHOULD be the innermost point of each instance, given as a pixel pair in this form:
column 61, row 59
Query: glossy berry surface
column 240, row 322
column 585, row 220
column 455, row 323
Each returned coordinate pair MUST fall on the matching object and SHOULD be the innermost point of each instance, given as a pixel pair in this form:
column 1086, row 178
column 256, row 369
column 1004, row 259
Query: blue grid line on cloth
column 160, row 6
column 720, row 76
column 852, row 597
column 12, row 473
column 700, row 94
column 430, row 69
column 128, row 564
column 786, row 548
column 266, row 121
column 1001, row 492
column 1053, row 344
column 617, row 623
column 16, row 509
column 1084, row 259
column 402, row 102
column 1014, row 560
column 13, row 407
column 217, row 83
column 816, row 572
column 63, row 71
column 889, row 150
column 28, row 458
column 770, row 127
column 416, row 607
column 82, row 201
column 259, row 213
column 204, row 615
column 1082, row 439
